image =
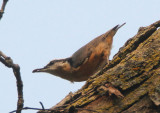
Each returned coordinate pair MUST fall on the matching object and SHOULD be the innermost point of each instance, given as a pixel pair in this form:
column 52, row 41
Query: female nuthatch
column 84, row 62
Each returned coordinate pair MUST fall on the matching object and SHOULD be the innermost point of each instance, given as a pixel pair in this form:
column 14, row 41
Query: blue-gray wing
column 85, row 52
column 80, row 56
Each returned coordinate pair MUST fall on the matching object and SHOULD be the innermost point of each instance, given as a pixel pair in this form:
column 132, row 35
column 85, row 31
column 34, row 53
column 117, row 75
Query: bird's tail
column 118, row 26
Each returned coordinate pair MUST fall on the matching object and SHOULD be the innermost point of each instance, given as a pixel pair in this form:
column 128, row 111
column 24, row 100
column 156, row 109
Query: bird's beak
column 39, row 70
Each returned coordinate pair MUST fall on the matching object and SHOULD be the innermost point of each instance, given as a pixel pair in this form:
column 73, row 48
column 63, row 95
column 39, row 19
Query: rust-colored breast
column 92, row 63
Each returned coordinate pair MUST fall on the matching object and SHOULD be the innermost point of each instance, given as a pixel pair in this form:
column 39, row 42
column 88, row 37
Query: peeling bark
column 134, row 71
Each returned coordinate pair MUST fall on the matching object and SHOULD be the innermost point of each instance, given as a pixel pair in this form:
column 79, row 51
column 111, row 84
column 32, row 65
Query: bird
column 86, row 61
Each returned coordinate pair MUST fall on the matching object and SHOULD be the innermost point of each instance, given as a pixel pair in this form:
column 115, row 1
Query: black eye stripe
column 51, row 63
column 54, row 61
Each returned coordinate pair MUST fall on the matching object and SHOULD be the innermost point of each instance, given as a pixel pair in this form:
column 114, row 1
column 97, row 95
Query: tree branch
column 7, row 61
column 3, row 8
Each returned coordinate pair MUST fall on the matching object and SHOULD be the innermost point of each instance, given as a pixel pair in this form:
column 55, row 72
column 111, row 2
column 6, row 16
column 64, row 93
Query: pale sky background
column 34, row 32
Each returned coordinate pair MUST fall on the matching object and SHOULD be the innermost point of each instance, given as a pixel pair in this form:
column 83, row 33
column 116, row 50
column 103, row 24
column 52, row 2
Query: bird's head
column 55, row 67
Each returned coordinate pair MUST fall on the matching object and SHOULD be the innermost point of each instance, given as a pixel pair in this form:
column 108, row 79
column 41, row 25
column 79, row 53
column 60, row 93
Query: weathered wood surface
column 134, row 71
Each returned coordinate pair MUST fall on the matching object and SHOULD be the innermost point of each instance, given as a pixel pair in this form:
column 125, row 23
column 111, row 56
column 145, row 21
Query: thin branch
column 28, row 108
column 42, row 105
column 3, row 8
column 7, row 61
column 54, row 111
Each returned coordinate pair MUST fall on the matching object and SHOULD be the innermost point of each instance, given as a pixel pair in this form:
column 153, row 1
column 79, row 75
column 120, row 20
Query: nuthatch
column 84, row 62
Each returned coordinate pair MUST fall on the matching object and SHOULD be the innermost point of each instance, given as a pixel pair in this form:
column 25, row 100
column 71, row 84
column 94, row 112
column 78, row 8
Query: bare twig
column 28, row 108
column 54, row 111
column 42, row 105
column 3, row 8
column 7, row 61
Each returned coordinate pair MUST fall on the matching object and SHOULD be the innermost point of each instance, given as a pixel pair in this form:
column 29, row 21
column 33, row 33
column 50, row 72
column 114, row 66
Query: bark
column 133, row 72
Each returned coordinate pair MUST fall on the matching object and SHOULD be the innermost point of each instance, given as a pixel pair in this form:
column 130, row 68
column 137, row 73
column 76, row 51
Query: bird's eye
column 51, row 63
